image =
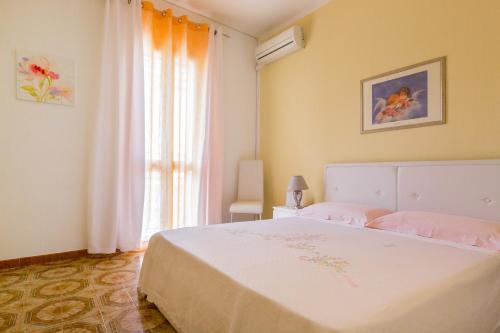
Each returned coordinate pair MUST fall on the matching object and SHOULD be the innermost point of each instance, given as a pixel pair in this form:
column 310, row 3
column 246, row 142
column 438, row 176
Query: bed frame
column 467, row 188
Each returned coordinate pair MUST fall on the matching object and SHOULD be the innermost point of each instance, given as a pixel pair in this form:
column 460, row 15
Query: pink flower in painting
column 22, row 68
column 37, row 70
column 52, row 75
column 60, row 91
column 55, row 91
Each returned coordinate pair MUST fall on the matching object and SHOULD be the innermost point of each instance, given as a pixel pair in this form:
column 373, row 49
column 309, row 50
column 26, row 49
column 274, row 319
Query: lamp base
column 297, row 196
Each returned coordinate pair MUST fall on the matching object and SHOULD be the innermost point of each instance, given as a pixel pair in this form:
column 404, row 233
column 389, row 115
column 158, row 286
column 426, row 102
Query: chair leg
column 260, row 217
column 231, row 217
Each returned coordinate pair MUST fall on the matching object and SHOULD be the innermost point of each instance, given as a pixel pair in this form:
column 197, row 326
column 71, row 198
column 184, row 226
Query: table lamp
column 296, row 185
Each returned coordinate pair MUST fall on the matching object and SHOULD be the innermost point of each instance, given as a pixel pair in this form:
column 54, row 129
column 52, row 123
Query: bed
column 307, row 275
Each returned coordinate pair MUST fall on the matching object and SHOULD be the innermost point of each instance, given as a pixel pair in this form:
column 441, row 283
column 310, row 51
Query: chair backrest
column 251, row 181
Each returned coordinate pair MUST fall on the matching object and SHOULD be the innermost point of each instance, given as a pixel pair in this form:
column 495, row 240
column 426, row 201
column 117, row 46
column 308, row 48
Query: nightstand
column 283, row 211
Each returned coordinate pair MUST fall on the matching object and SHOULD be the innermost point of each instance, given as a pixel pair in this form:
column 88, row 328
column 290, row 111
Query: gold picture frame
column 407, row 97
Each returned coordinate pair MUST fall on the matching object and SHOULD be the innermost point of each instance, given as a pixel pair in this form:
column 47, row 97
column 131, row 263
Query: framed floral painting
column 407, row 97
column 45, row 79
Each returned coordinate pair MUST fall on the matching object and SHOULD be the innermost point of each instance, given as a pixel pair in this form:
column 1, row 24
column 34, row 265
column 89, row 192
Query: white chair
column 250, row 189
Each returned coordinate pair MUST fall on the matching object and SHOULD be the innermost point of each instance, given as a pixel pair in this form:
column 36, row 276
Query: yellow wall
column 310, row 101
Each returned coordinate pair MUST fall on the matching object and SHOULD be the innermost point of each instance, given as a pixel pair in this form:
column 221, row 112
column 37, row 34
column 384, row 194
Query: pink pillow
column 458, row 229
column 353, row 214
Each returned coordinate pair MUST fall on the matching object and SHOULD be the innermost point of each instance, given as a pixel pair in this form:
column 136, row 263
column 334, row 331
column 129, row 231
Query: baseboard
column 26, row 261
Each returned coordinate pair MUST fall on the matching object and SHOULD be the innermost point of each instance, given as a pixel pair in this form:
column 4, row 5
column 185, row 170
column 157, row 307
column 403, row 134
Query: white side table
column 284, row 211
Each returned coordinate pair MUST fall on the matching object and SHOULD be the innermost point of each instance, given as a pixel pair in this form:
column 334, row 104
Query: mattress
column 304, row 275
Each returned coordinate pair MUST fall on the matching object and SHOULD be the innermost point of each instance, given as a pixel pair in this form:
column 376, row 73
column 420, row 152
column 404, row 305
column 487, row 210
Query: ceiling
column 253, row 17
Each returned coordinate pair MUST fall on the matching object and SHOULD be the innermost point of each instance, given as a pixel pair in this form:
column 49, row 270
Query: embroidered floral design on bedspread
column 287, row 238
column 338, row 264
column 302, row 246
column 301, row 241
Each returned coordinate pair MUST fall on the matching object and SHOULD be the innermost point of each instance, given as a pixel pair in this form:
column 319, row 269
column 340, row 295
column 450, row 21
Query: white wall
column 239, row 103
column 240, row 112
column 44, row 148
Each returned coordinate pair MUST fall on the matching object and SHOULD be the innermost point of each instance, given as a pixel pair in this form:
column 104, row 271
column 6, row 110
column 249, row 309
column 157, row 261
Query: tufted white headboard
column 468, row 188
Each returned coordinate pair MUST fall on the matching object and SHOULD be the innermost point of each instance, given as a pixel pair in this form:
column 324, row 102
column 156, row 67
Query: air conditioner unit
column 285, row 43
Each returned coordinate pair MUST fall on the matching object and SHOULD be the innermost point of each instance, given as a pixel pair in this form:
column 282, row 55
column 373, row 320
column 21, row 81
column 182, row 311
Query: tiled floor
column 91, row 294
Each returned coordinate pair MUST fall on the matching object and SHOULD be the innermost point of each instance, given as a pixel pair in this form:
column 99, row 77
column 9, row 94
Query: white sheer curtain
column 210, row 211
column 179, row 113
column 117, row 180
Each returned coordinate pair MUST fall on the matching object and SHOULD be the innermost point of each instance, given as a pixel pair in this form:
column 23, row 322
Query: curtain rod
column 163, row 12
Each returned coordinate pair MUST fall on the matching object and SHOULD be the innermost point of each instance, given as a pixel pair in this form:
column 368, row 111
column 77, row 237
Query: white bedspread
column 301, row 275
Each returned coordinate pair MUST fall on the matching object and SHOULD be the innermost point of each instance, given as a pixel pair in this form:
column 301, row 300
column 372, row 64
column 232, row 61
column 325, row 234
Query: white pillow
column 354, row 214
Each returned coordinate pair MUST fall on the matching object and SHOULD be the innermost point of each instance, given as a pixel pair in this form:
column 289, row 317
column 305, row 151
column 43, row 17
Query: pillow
column 353, row 214
column 458, row 229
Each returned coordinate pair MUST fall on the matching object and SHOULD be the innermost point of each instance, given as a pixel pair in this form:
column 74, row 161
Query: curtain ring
column 164, row 13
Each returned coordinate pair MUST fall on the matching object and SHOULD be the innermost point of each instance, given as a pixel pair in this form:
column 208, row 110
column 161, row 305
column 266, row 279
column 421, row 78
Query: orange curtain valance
column 171, row 34
column 168, row 14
